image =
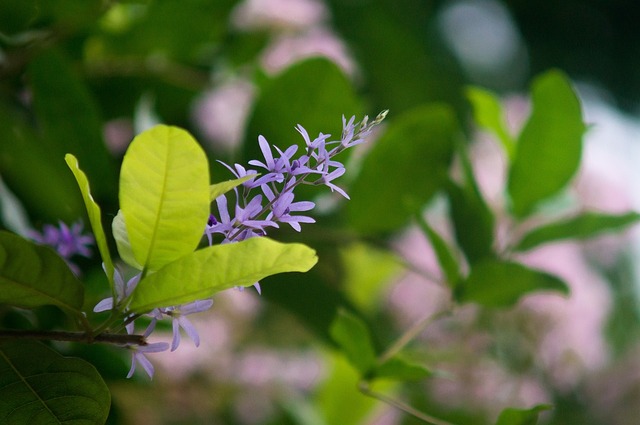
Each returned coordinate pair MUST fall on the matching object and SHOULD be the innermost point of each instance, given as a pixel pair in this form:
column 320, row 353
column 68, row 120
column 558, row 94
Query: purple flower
column 123, row 290
column 178, row 316
column 139, row 351
column 67, row 241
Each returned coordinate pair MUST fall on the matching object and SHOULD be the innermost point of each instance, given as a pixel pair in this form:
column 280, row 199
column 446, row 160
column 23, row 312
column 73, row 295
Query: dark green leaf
column 488, row 114
column 39, row 386
column 495, row 283
column 32, row 276
column 403, row 170
column 69, row 118
column 353, row 337
column 314, row 93
column 550, row 145
column 401, row 369
column 446, row 258
column 473, row 221
column 35, row 174
column 512, row 416
column 581, row 227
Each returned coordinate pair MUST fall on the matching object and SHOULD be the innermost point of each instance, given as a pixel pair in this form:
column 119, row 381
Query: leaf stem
column 107, row 338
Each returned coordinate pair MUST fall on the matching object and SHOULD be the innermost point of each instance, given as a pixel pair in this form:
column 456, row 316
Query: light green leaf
column 402, row 171
column 446, row 258
column 119, row 229
column 93, row 212
column 164, row 195
column 581, row 227
column 39, row 386
column 213, row 269
column 488, row 114
column 496, row 283
column 353, row 337
column 221, row 188
column 550, row 145
column 401, row 369
column 512, row 416
column 32, row 276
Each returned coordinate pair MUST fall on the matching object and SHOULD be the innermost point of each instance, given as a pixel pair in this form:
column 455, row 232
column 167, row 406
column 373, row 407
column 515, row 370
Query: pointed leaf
column 352, row 335
column 404, row 168
column 213, row 269
column 446, row 258
column 473, row 221
column 488, row 114
column 401, row 369
column 221, row 188
column 581, row 227
column 512, row 416
column 32, row 276
column 495, row 283
column 550, row 145
column 93, row 212
column 164, row 195
column 119, row 230
column 39, row 386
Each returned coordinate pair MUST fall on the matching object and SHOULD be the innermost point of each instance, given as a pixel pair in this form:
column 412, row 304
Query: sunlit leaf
column 513, row 416
column 93, row 212
column 221, row 188
column 550, row 144
column 164, row 195
column 446, row 258
column 210, row 270
column 496, row 283
column 39, row 386
column 353, row 337
column 488, row 114
column 401, row 369
column 119, row 229
column 404, row 168
column 32, row 276
column 581, row 227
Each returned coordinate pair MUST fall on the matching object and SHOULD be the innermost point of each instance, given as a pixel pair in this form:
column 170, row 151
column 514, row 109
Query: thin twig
column 107, row 338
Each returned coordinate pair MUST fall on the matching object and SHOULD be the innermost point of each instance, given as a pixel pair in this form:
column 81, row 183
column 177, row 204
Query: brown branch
column 105, row 338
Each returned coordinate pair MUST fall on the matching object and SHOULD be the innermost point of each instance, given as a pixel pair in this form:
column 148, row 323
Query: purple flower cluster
column 67, row 241
column 255, row 212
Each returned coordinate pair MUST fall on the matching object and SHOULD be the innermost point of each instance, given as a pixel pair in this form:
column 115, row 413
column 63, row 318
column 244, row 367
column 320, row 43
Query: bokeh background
column 85, row 76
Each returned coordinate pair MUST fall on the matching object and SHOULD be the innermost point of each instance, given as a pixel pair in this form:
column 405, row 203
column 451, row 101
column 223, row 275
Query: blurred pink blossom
column 221, row 113
column 278, row 14
column 289, row 48
column 117, row 134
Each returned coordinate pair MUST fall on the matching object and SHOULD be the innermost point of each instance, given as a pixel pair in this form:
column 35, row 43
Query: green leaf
column 403, row 170
column 353, row 337
column 488, row 114
column 401, row 369
column 39, row 386
column 221, row 188
column 473, row 221
column 583, row 226
column 119, row 229
column 512, row 416
column 446, row 258
column 32, row 276
column 550, row 145
column 95, row 217
column 69, row 119
column 213, row 269
column 313, row 93
column 164, row 195
column 496, row 283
